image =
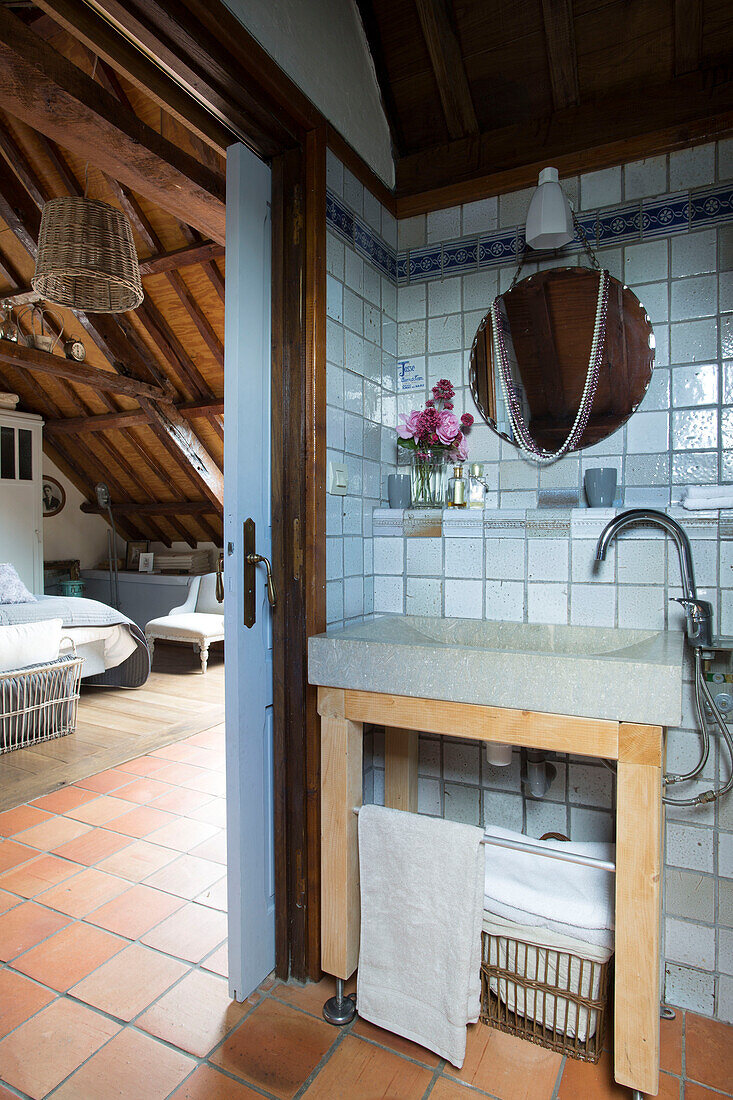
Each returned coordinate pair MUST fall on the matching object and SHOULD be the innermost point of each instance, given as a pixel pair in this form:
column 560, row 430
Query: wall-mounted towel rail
column 551, row 853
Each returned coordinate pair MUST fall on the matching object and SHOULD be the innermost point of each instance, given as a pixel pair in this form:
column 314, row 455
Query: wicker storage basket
column 39, row 702
column 553, row 997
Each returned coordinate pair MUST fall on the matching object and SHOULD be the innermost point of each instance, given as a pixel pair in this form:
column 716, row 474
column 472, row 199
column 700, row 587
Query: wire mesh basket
column 554, row 998
column 39, row 702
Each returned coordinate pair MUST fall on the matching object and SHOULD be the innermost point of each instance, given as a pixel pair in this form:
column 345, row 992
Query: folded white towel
column 707, row 504
column 422, row 887
column 568, row 897
column 712, row 490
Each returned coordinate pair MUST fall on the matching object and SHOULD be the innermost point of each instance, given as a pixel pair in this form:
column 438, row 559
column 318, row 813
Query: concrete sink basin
column 593, row 672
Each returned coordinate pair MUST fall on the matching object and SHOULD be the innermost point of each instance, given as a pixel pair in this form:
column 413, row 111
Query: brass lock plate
column 250, row 575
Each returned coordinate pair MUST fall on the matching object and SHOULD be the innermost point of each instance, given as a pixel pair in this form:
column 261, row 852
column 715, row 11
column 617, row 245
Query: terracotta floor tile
column 26, row 925
column 506, row 1066
column 214, row 812
column 670, row 1087
column 100, row 810
column 670, row 1043
column 709, row 1051
column 8, row 901
column 189, row 934
column 51, row 834
column 38, row 874
column 218, row 962
column 183, row 833
column 180, row 800
column 12, row 853
column 135, row 911
column 365, row 1030
column 144, row 789
column 130, row 1066
column 277, row 1048
column 310, row 997
column 19, row 999
column 129, row 982
column 210, row 782
column 363, row 1071
column 29, row 1062
column 448, row 1089
column 22, row 817
column 180, row 774
column 186, row 876
column 182, row 753
column 66, row 958
column 141, row 821
column 208, row 1084
column 196, row 1015
column 141, row 766
column 215, row 896
column 82, row 893
column 104, row 782
column 94, row 846
column 136, row 861
column 699, row 1092
column 209, row 739
column 215, row 848
column 582, row 1080
column 65, row 798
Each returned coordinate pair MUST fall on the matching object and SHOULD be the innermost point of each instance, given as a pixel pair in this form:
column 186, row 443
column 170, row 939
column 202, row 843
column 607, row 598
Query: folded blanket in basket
column 535, row 890
column 422, row 884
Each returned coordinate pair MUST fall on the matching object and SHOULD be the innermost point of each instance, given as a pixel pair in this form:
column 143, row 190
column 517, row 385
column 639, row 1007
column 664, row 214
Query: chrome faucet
column 698, row 613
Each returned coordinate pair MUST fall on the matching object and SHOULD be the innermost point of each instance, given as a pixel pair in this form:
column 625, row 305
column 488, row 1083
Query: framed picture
column 134, row 550
column 145, row 562
column 54, row 497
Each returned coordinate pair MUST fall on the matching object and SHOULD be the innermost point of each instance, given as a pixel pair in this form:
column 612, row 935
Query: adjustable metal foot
column 339, row 1010
column 667, row 1013
column 636, row 1095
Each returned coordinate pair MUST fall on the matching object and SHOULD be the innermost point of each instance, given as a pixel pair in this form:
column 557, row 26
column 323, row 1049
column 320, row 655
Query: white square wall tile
column 424, row 596
column 547, row 559
column 648, row 433
column 412, row 302
column 503, row 809
column 444, row 296
column 425, row 557
column 689, row 988
column 598, row 189
column 547, row 603
column 389, row 555
column 692, row 167
column 461, row 762
column 592, row 605
column 463, row 599
column 464, row 557
column 428, row 797
column 689, row 846
column 480, row 216
column 444, row 225
column 504, row 601
column 411, row 232
column 445, row 333
column 689, row 943
column 389, row 595
column 646, row 263
column 644, row 178
column 641, row 608
column 694, row 253
column 505, row 559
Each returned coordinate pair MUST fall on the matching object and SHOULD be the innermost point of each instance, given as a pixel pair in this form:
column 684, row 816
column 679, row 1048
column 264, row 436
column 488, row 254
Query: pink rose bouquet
column 436, row 427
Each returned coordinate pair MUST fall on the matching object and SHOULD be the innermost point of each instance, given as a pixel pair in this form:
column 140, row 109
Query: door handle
column 251, row 560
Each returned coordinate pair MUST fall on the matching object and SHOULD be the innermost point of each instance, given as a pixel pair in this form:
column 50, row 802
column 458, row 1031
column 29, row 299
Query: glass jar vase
column 429, row 477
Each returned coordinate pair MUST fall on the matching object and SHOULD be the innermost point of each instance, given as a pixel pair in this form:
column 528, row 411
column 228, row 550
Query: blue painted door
column 250, row 855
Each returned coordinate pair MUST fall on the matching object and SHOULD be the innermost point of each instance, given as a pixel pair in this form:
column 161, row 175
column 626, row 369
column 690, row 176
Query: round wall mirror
column 548, row 330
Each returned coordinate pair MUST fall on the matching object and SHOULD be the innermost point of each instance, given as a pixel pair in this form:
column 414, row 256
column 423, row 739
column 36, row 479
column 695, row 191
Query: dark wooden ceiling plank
column 105, row 42
column 45, row 90
column 561, row 54
column 195, row 253
column 687, row 36
column 373, row 34
column 656, row 120
column 448, row 67
column 156, row 508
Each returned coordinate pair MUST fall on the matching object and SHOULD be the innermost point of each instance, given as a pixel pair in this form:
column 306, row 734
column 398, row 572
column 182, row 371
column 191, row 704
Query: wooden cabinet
column 21, row 483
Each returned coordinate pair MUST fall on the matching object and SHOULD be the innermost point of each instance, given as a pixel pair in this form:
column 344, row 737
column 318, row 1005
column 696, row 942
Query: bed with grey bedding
column 82, row 619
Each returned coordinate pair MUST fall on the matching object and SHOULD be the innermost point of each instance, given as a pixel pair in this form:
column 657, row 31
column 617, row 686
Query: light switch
column 338, row 478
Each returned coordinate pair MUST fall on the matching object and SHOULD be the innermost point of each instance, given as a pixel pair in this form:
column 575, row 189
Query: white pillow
column 26, row 644
column 12, row 589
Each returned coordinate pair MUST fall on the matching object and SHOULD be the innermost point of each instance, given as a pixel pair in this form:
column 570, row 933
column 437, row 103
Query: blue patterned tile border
column 355, row 231
column 663, row 217
column 647, row 220
column 713, row 205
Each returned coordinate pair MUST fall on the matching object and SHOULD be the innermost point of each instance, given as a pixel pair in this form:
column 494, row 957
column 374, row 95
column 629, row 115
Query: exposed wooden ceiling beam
column 561, row 54
column 43, row 362
column 687, row 36
column 45, row 90
column 197, row 253
column 176, row 436
column 105, row 42
column 448, row 67
column 656, row 120
column 103, row 422
column 155, row 508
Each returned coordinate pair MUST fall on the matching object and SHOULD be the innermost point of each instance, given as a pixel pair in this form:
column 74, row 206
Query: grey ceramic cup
column 600, row 486
column 398, row 490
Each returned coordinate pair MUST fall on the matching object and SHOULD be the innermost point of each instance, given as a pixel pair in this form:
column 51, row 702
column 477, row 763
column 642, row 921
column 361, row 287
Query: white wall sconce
column 549, row 218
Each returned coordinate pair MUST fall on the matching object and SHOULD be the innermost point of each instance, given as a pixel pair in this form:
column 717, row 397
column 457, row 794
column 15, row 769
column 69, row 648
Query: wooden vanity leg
column 638, row 897
column 341, row 791
column 400, row 769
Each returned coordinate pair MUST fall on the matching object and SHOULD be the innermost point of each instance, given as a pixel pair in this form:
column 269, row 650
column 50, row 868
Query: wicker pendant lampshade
column 86, row 257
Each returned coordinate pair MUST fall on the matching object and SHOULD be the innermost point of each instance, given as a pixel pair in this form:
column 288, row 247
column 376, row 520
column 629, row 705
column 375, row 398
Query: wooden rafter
column 155, row 508
column 102, row 422
column 43, row 362
column 448, row 67
column 68, row 106
column 190, row 254
column 687, row 36
column 561, row 53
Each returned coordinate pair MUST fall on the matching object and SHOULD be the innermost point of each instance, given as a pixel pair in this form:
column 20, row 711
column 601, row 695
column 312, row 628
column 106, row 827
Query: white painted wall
column 72, row 533
column 321, row 45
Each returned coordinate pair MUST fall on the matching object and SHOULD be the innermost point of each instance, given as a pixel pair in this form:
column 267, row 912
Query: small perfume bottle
column 476, row 486
column 457, row 489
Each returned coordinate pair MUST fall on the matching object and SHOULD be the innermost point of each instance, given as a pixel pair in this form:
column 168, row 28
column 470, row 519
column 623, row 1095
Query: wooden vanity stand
column 638, row 750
